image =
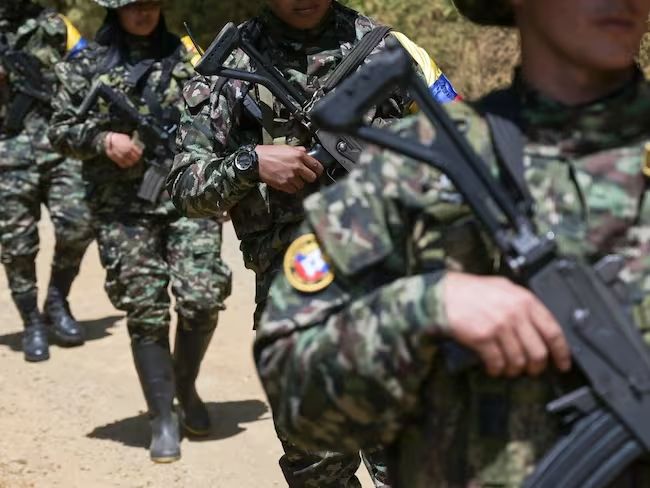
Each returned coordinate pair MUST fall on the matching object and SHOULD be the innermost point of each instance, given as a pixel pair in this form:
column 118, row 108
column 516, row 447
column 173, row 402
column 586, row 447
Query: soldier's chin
column 143, row 30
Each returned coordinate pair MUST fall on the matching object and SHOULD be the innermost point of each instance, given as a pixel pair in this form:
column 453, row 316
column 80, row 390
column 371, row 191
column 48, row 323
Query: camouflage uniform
column 356, row 364
column 204, row 181
column 33, row 174
column 144, row 246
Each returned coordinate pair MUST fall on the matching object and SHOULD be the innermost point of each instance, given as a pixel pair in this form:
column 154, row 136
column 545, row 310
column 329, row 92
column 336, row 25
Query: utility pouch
column 153, row 182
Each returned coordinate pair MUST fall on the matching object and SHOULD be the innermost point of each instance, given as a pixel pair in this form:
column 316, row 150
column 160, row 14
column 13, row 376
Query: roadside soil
column 78, row 420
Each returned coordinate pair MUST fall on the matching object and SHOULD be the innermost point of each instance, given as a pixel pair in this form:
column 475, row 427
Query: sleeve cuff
column 99, row 143
column 436, row 302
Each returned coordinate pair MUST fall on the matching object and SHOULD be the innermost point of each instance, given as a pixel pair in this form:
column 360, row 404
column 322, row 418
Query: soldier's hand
column 122, row 150
column 505, row 324
column 287, row 168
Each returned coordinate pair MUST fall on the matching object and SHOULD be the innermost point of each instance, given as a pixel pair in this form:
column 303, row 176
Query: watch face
column 244, row 161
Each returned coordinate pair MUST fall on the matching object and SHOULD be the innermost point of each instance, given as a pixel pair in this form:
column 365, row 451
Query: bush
column 475, row 59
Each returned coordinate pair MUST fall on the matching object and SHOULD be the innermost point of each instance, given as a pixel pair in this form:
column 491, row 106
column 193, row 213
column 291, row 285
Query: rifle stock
column 611, row 415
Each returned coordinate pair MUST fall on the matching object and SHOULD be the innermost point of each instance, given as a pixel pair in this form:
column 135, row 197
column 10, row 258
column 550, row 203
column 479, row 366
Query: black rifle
column 610, row 417
column 158, row 139
column 26, row 84
column 333, row 151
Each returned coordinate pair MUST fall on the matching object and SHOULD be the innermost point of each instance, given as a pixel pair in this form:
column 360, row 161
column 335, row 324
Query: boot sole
column 194, row 432
column 67, row 341
column 37, row 359
column 166, row 460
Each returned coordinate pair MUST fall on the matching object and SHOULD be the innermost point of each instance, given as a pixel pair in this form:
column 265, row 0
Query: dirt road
column 78, row 419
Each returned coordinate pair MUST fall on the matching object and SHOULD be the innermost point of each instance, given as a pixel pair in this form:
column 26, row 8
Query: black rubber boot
column 192, row 341
column 35, row 344
column 153, row 363
column 63, row 326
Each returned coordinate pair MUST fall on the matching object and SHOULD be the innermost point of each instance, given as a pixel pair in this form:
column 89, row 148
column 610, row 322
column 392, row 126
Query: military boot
column 192, row 341
column 63, row 326
column 153, row 363
column 35, row 345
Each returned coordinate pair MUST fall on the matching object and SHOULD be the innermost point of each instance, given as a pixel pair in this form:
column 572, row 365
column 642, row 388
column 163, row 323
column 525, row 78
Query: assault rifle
column 333, row 151
column 26, row 84
column 158, row 139
column 610, row 416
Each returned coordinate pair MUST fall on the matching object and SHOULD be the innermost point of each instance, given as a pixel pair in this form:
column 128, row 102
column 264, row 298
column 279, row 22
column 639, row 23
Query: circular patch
column 306, row 267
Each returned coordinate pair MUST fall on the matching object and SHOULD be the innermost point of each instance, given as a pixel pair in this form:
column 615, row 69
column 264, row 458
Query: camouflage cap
column 114, row 4
column 487, row 12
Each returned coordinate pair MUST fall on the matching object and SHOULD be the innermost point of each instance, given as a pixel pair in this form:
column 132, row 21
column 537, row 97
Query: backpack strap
column 356, row 56
column 502, row 111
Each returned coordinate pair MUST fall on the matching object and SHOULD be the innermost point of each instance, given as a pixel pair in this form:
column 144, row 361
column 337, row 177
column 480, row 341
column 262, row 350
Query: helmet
column 115, row 4
column 487, row 12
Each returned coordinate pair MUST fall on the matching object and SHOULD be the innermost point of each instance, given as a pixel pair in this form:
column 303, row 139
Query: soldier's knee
column 146, row 333
column 204, row 320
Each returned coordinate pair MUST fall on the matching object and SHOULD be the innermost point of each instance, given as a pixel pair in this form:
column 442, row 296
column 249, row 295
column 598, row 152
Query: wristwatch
column 246, row 160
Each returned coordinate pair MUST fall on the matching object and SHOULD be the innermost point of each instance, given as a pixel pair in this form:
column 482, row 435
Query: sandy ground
column 78, row 419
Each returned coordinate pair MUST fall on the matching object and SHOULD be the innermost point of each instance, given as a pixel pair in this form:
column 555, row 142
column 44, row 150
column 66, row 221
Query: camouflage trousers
column 304, row 469
column 142, row 255
column 31, row 174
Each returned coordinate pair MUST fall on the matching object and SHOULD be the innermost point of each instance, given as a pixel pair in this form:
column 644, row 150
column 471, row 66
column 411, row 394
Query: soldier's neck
column 565, row 82
column 139, row 48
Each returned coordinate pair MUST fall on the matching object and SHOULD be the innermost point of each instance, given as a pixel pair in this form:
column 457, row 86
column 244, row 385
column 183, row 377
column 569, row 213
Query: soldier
column 32, row 41
column 353, row 360
column 261, row 175
column 145, row 244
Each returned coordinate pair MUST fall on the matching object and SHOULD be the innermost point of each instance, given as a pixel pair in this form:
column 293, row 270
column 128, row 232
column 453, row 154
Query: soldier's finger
column 552, row 334
column 512, row 350
column 534, row 348
column 290, row 187
column 492, row 358
column 313, row 164
column 307, row 174
column 297, row 181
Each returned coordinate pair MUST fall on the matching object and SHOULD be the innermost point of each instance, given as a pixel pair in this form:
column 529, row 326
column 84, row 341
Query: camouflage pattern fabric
column 143, row 245
column 143, row 255
column 357, row 363
column 115, row 4
column 31, row 173
column 204, row 181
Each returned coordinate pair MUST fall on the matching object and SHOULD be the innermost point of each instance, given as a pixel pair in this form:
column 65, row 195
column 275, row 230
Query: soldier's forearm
column 206, row 188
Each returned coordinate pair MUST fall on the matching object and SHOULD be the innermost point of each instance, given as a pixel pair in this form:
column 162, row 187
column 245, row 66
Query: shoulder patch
column 306, row 267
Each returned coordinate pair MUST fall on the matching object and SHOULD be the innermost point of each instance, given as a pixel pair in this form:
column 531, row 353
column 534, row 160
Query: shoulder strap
column 502, row 112
column 356, row 56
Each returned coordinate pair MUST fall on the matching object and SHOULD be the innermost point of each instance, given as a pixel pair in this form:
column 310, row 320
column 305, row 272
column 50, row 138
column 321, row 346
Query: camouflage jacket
column 109, row 187
column 356, row 364
column 47, row 37
column 214, row 125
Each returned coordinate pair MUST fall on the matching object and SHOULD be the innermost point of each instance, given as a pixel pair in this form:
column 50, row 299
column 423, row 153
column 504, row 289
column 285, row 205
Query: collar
column 139, row 48
column 621, row 116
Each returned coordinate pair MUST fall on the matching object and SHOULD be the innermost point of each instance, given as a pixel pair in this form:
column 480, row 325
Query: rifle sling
column 502, row 112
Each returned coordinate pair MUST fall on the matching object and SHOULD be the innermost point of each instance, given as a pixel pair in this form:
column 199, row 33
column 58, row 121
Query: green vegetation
column 475, row 59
